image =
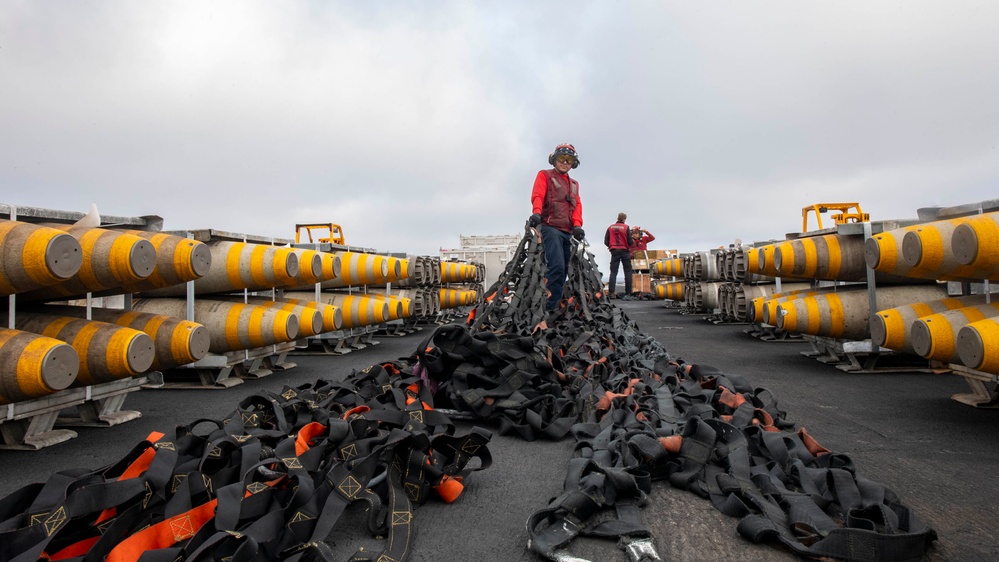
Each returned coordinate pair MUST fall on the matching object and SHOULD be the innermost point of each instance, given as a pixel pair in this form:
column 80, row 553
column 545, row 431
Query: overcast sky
column 410, row 123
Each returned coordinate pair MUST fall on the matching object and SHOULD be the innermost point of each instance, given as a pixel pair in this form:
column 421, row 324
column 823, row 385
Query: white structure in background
column 493, row 251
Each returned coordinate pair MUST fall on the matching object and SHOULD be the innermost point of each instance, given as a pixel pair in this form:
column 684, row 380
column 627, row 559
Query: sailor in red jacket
column 558, row 211
column 618, row 241
column 640, row 239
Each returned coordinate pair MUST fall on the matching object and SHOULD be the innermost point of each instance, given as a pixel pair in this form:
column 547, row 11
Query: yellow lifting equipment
column 335, row 233
column 842, row 217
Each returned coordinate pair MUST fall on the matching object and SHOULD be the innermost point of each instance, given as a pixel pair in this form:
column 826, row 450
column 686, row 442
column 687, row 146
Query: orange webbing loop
column 766, row 420
column 356, row 410
column 138, row 466
column 306, row 435
column 450, row 488
column 471, row 316
column 413, row 391
column 672, row 443
column 163, row 534
column 604, row 403
column 730, row 399
column 811, row 444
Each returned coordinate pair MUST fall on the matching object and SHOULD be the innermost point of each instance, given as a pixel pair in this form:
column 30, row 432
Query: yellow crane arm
column 335, row 235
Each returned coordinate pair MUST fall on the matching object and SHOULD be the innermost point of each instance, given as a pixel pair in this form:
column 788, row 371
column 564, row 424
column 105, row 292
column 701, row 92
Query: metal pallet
column 981, row 395
column 863, row 357
column 31, row 424
column 230, row 369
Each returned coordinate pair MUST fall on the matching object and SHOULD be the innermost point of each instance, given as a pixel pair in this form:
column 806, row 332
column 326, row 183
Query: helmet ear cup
column 575, row 163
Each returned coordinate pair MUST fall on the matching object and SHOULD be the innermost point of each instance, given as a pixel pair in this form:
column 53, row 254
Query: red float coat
column 556, row 198
column 616, row 237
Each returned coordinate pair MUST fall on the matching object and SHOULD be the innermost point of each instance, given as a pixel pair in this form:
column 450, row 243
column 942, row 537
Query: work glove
column 534, row 220
column 578, row 233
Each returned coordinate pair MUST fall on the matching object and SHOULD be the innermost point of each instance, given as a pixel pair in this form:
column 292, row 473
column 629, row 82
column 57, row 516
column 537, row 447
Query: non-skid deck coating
column 903, row 430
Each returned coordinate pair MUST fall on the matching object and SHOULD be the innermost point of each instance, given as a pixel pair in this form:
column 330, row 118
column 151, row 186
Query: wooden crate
column 641, row 283
column 639, row 265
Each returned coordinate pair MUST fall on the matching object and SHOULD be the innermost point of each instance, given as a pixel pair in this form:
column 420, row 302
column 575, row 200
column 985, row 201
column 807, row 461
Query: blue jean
column 558, row 251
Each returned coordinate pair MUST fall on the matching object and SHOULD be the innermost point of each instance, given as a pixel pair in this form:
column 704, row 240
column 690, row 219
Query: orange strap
column 133, row 470
column 811, row 444
column 163, row 534
column 356, row 410
column 672, row 443
column 450, row 488
column 730, row 399
column 308, row 433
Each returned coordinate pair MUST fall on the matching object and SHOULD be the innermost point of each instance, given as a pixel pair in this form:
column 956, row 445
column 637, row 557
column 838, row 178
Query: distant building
column 493, row 251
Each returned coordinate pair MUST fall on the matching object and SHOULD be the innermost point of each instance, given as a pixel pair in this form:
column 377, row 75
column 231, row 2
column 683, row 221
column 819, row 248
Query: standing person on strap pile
column 618, row 242
column 559, row 212
column 640, row 239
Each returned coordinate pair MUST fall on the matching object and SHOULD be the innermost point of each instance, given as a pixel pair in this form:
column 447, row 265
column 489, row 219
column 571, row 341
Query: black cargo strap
column 735, row 446
column 367, row 439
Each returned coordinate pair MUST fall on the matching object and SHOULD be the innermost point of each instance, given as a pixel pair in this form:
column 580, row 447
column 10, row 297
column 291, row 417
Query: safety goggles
column 565, row 160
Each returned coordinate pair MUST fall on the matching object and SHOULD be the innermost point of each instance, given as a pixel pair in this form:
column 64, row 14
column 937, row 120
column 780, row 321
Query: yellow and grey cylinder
column 978, row 345
column 176, row 341
column 32, row 366
column 974, row 244
column 310, row 319
column 932, row 246
column 399, row 307
column 745, row 300
column 331, row 315
column 178, row 260
column 331, row 265
column 674, row 290
column 34, row 256
column 761, row 260
column 922, row 251
column 831, row 257
column 310, row 269
column 417, row 300
column 358, row 268
column 240, row 265
column 935, row 336
column 403, row 269
column 892, row 327
column 457, row 272
column 846, row 312
column 764, row 309
column 356, row 310
column 111, row 260
column 232, row 326
column 453, row 298
column 107, row 351
column 393, row 267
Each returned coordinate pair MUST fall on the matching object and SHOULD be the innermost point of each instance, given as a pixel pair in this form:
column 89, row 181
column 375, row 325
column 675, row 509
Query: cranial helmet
column 564, row 149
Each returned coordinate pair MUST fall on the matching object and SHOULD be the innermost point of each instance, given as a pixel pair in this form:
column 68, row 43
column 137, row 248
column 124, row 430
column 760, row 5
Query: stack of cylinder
column 358, row 292
column 461, row 284
column 235, row 322
column 422, row 286
column 43, row 263
column 837, row 311
column 954, row 330
column 34, row 257
column 664, row 273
